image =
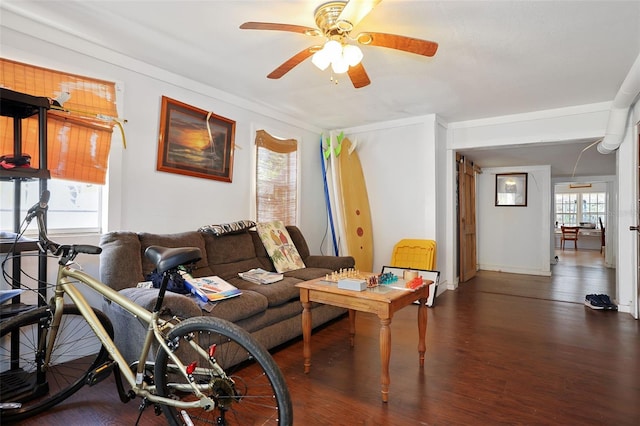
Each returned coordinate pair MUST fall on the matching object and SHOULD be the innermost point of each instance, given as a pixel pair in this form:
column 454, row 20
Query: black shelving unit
column 20, row 106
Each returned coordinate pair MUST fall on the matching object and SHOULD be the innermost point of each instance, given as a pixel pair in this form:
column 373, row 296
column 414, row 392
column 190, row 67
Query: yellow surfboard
column 354, row 204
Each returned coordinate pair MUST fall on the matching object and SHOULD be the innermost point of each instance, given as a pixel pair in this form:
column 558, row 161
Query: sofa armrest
column 334, row 263
column 178, row 305
column 130, row 332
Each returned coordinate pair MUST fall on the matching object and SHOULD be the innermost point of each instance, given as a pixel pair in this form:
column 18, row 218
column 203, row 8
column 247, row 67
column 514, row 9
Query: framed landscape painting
column 195, row 142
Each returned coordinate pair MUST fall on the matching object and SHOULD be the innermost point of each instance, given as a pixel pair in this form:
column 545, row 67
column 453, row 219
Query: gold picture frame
column 195, row 142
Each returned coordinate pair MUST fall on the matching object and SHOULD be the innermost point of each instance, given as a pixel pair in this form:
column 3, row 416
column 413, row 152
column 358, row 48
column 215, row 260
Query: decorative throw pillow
column 228, row 228
column 279, row 246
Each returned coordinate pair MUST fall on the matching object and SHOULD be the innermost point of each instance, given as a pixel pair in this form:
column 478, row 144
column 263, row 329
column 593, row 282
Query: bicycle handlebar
column 67, row 252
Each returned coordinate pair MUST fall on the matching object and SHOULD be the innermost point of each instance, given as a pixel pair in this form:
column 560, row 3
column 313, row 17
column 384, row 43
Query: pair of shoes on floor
column 600, row 301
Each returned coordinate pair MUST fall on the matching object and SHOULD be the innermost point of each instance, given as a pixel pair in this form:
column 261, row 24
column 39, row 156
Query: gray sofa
column 271, row 313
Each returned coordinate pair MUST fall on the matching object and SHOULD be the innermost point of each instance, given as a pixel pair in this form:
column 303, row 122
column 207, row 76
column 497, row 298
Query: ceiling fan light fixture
column 344, row 26
column 339, row 65
column 333, row 49
column 352, row 54
column 335, row 20
column 313, row 32
column 364, row 38
column 321, row 59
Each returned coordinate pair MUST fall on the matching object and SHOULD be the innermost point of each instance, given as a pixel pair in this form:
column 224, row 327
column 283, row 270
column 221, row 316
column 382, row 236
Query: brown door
column 466, row 219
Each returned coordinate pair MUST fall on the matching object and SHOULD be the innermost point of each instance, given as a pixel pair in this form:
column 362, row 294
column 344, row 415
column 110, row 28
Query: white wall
column 514, row 239
column 627, row 215
column 399, row 164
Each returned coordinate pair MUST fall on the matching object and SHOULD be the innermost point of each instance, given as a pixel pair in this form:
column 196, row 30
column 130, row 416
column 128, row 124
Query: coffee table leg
column 385, row 355
column 306, row 335
column 352, row 326
column 422, row 330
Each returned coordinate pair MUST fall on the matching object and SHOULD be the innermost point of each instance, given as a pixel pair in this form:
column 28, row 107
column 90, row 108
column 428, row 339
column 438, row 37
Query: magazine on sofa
column 210, row 289
column 260, row 276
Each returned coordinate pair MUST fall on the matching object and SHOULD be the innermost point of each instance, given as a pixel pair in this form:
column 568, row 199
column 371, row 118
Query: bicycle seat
column 165, row 258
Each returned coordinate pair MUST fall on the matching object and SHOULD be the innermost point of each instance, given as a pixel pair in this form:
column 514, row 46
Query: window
column 74, row 206
column 594, row 207
column 79, row 131
column 276, row 179
column 587, row 207
column 566, row 211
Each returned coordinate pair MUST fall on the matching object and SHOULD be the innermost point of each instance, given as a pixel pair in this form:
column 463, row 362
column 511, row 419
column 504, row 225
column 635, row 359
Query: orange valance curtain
column 79, row 137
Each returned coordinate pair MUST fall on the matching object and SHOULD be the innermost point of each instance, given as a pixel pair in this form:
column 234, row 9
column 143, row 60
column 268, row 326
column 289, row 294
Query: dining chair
column 569, row 233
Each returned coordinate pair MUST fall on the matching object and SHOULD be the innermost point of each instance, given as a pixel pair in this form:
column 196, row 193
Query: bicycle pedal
column 100, row 373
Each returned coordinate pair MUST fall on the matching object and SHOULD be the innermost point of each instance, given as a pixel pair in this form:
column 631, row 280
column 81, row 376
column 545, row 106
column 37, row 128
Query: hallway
column 576, row 274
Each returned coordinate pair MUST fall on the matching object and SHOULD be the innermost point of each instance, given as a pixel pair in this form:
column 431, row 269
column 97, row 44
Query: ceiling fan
column 335, row 21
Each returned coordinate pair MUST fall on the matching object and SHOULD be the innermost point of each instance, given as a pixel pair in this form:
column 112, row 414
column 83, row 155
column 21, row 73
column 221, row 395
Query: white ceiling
column 495, row 57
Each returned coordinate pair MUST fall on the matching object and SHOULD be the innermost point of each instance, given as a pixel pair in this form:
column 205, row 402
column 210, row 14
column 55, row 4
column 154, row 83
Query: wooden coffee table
column 383, row 301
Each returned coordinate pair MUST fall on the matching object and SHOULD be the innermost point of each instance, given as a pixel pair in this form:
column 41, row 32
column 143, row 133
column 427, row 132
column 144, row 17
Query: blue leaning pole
column 327, row 198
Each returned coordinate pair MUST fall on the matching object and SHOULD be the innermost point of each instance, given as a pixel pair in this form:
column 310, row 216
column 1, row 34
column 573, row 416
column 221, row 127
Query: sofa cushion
column 127, row 270
column 298, row 240
column 248, row 304
column 273, row 315
column 280, row 247
column 183, row 239
column 276, row 293
column 228, row 228
column 307, row 274
column 261, row 252
column 229, row 248
column 229, row 271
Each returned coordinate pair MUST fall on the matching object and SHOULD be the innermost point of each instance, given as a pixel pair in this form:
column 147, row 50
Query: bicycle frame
column 65, row 284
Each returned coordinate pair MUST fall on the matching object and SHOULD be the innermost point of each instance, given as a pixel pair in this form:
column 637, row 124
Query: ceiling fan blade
column 392, row 41
column 358, row 76
column 355, row 10
column 290, row 63
column 280, row 27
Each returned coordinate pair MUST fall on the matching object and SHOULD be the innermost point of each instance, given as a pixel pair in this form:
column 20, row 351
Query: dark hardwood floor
column 502, row 349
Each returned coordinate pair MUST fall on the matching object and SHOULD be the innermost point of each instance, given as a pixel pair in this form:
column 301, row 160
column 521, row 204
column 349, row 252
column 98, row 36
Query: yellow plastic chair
column 412, row 253
column 418, row 254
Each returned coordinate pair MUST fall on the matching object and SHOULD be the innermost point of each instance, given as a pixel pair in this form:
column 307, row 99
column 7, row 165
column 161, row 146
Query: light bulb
column 339, row 65
column 352, row 54
column 321, row 59
column 333, row 49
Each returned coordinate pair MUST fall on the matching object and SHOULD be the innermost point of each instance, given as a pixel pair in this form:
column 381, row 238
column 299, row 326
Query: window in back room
column 581, row 205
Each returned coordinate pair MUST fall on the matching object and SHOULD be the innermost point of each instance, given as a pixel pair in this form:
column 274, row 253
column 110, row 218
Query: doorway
column 583, row 204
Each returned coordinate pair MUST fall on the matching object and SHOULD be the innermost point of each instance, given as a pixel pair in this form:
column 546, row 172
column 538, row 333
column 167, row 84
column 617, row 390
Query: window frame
column 579, row 213
column 276, row 133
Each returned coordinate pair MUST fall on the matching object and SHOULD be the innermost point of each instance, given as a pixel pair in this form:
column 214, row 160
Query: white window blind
column 276, row 178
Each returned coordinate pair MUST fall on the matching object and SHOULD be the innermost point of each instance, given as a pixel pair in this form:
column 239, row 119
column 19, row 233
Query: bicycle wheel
column 23, row 377
column 249, row 389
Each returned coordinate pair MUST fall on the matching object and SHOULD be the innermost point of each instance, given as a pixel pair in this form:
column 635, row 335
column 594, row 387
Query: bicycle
column 206, row 370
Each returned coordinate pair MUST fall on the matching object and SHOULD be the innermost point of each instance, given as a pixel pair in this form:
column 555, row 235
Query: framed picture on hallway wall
column 195, row 142
column 511, row 189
